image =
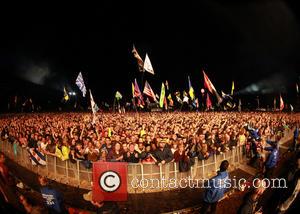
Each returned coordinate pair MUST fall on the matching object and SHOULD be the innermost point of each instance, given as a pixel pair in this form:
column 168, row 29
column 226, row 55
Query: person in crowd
column 53, row 198
column 163, row 154
column 215, row 189
column 272, row 159
column 181, row 157
column 292, row 192
column 250, row 200
column 131, row 156
column 115, row 155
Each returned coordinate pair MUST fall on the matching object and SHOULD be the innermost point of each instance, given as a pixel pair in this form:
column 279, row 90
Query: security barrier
column 75, row 174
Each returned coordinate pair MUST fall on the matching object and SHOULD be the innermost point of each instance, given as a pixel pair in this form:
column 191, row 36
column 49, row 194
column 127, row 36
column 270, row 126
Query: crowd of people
column 146, row 138
column 153, row 138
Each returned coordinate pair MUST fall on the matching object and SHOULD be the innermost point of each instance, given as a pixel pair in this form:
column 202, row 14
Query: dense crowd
column 144, row 137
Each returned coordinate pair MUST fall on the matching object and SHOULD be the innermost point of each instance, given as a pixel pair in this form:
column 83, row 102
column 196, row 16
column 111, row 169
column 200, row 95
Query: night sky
column 254, row 42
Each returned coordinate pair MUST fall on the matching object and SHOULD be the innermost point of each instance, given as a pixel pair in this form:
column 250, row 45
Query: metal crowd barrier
column 75, row 174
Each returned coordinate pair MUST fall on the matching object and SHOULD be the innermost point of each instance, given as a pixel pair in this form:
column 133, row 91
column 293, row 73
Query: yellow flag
column 66, row 96
column 232, row 88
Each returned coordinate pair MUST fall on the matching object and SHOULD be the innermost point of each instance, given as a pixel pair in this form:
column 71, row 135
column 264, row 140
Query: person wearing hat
column 163, row 154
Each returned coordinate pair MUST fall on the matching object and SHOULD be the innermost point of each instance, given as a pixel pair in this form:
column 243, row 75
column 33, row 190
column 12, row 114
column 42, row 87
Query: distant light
column 72, row 93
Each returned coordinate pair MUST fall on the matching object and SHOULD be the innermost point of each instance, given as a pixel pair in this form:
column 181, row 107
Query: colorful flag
column 66, row 96
column 162, row 95
column 138, row 94
column 232, row 88
column 37, row 157
column 281, row 103
column 118, row 95
column 191, row 90
column 171, row 102
column 132, row 87
column 148, row 91
column 147, row 65
column 93, row 104
column 80, row 84
column 138, row 58
column 208, row 84
column 208, row 102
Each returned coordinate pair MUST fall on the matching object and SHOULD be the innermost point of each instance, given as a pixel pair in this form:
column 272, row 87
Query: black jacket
column 165, row 154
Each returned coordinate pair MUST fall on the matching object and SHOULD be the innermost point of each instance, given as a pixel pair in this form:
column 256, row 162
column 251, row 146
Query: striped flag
column 208, row 84
column 80, row 84
column 93, row 104
column 148, row 91
column 138, row 58
column 36, row 157
column 138, row 94
column 148, row 66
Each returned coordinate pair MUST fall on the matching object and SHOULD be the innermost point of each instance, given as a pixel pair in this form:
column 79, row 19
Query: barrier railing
column 76, row 174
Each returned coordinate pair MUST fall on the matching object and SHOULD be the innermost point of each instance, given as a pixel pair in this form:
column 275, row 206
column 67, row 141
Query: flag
column 137, row 93
column 165, row 103
column 171, row 103
column 177, row 94
column 162, row 95
column 80, row 84
column 232, row 88
column 281, row 103
column 185, row 97
column 208, row 102
column 138, row 58
column 297, row 88
column 292, row 108
column 148, row 91
column 93, row 104
column 132, row 87
column 208, row 84
column 66, row 96
column 36, row 157
column 118, row 95
column 167, row 85
column 196, row 103
column 191, row 90
column 225, row 96
column 147, row 65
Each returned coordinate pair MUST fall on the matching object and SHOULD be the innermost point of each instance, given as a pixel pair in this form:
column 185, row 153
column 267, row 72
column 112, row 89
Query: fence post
column 47, row 168
column 215, row 161
column 78, row 173
column 67, row 171
column 175, row 171
column 160, row 174
column 203, row 171
column 54, row 168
